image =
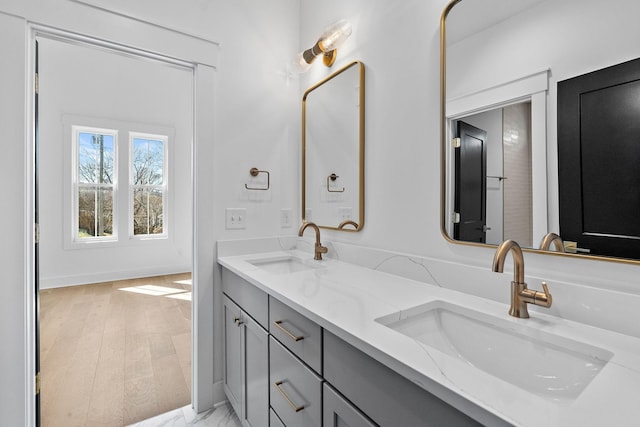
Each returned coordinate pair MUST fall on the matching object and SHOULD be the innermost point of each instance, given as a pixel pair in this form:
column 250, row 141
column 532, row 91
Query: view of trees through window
column 148, row 185
column 95, row 184
column 97, row 175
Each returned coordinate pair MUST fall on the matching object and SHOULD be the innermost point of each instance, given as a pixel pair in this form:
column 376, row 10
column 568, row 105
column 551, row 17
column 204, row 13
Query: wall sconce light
column 330, row 39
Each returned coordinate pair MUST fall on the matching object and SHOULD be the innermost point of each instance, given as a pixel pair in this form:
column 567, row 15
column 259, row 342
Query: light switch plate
column 236, row 218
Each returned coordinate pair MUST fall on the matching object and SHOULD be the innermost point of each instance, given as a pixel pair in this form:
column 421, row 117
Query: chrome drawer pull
column 296, row 338
column 237, row 321
column 293, row 406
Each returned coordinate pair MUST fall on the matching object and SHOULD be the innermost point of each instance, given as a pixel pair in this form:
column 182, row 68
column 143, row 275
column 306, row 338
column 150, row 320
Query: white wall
column 82, row 85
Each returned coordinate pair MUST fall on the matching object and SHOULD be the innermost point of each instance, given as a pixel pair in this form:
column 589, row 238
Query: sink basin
column 553, row 367
column 283, row 264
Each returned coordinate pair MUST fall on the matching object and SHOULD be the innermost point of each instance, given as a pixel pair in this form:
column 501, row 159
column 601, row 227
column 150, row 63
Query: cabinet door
column 274, row 420
column 255, row 349
column 232, row 354
column 337, row 412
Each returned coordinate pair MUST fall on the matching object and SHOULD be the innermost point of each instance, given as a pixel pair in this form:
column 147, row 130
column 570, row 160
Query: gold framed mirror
column 506, row 59
column 333, row 150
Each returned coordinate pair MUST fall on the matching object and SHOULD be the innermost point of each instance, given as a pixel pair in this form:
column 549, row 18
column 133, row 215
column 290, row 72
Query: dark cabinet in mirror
column 502, row 64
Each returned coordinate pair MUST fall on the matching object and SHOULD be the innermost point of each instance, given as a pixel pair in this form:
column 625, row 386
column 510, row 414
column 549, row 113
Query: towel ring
column 256, row 172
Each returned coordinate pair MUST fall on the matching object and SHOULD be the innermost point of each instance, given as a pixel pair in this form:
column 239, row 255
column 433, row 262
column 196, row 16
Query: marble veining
column 221, row 416
column 599, row 307
column 402, row 266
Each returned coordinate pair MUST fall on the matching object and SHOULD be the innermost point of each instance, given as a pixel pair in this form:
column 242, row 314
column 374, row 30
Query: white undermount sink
column 551, row 366
column 283, row 264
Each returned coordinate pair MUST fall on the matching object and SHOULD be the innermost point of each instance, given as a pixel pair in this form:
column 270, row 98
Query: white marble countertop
column 346, row 299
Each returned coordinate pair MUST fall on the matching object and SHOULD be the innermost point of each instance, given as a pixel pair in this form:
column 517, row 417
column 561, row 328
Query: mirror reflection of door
column 470, row 184
column 508, row 184
column 598, row 155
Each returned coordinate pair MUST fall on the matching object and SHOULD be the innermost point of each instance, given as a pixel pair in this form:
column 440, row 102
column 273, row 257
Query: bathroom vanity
column 328, row 342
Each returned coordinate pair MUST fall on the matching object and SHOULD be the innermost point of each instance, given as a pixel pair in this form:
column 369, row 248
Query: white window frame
column 76, row 130
column 164, row 187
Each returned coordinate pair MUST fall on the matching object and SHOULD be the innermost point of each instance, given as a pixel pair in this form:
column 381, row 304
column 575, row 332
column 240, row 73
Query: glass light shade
column 334, row 35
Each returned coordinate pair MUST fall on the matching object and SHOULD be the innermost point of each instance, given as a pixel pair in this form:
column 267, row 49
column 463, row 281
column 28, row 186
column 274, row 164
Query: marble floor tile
column 221, row 416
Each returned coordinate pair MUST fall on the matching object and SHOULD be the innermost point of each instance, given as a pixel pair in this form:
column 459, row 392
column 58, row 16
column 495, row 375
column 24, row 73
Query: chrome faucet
column 550, row 238
column 520, row 294
column 319, row 249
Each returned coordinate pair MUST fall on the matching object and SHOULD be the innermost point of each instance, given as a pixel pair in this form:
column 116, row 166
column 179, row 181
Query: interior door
column 470, row 199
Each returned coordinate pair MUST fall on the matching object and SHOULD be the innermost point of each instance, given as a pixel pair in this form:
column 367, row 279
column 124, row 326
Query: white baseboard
column 109, row 276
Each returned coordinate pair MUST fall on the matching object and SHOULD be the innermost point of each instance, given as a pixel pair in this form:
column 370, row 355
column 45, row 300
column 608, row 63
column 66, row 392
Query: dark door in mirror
column 470, row 203
column 599, row 160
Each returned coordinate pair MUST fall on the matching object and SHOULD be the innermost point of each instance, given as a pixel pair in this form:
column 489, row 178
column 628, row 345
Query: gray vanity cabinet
column 246, row 367
column 337, row 412
column 299, row 374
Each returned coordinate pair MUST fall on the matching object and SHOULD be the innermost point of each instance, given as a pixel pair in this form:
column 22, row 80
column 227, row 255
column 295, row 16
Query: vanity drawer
column 295, row 390
column 252, row 300
column 299, row 334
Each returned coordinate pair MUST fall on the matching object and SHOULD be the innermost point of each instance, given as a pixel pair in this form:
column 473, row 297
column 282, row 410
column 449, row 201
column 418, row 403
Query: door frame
column 203, row 391
column 533, row 87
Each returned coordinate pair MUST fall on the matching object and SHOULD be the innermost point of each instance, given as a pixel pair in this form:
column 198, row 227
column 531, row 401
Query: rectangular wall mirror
column 333, row 150
column 502, row 130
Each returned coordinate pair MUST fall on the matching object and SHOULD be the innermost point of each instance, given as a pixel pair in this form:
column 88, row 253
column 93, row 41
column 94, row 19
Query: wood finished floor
column 115, row 353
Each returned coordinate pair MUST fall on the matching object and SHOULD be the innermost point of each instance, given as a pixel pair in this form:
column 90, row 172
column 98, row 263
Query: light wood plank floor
column 115, row 353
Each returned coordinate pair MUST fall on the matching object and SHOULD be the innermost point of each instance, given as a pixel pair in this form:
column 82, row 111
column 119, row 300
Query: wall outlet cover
column 286, row 218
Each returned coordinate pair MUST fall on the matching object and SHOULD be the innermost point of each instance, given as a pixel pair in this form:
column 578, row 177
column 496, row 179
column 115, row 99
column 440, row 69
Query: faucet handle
column 322, row 249
column 543, row 298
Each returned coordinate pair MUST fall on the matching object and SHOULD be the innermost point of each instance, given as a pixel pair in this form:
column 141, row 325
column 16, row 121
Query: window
column 94, row 183
column 148, row 178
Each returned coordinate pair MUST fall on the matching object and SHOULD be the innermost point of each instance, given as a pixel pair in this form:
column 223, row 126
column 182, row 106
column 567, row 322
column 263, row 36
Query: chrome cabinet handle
column 237, row 321
column 295, row 338
column 282, row 392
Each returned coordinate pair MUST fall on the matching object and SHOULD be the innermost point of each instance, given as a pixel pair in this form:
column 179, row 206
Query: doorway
column 101, row 91
column 500, row 190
